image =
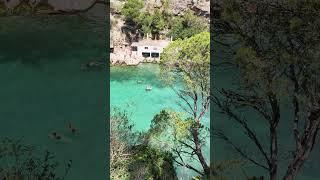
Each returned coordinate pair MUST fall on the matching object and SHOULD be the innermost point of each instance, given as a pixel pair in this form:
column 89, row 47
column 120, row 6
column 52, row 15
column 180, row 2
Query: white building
column 146, row 50
column 149, row 50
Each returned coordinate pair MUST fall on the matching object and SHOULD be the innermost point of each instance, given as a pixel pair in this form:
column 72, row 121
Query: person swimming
column 72, row 128
column 55, row 135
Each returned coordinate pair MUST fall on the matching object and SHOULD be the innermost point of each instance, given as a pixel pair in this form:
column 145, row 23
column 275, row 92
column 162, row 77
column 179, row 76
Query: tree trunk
column 273, row 164
column 274, row 154
column 303, row 151
column 294, row 167
column 300, row 157
column 199, row 154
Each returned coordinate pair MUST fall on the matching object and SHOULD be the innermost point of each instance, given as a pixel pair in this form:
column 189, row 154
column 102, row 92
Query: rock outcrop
column 22, row 7
column 56, row 4
column 117, row 37
column 178, row 7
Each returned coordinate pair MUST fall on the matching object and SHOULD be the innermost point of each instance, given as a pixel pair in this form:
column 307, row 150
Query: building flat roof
column 149, row 42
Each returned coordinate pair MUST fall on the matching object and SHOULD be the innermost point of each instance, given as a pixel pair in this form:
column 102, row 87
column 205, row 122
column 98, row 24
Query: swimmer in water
column 72, row 128
column 55, row 135
column 58, row 137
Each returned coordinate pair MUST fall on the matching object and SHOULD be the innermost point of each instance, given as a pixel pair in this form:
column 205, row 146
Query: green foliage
column 188, row 61
column 229, row 13
column 121, row 137
column 134, row 159
column 246, row 58
column 295, row 23
column 171, row 132
column 167, row 128
column 132, row 10
column 121, row 125
column 116, row 6
column 152, row 23
column 155, row 163
column 160, row 121
column 19, row 161
column 147, row 21
column 187, row 25
column 191, row 59
column 156, row 20
column 297, row 29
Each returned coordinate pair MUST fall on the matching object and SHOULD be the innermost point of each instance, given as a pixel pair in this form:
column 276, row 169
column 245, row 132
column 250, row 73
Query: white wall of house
column 152, row 50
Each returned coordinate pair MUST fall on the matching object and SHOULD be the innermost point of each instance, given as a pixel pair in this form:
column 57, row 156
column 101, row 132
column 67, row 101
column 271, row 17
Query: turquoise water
column 43, row 87
column 142, row 105
column 129, row 94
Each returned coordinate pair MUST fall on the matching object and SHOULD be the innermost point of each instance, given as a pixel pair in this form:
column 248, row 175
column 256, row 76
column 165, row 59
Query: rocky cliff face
column 177, row 7
column 117, row 37
column 27, row 7
column 71, row 4
column 201, row 7
column 56, row 4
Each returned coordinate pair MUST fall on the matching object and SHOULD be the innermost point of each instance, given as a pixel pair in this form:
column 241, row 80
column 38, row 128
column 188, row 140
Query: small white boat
column 148, row 88
column 139, row 82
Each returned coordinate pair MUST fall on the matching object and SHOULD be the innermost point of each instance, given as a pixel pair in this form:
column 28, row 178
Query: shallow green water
column 43, row 87
column 129, row 94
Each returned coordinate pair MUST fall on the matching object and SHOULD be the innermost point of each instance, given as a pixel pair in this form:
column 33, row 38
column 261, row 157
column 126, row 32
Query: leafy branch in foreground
column 19, row 161
column 131, row 156
column 120, row 136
